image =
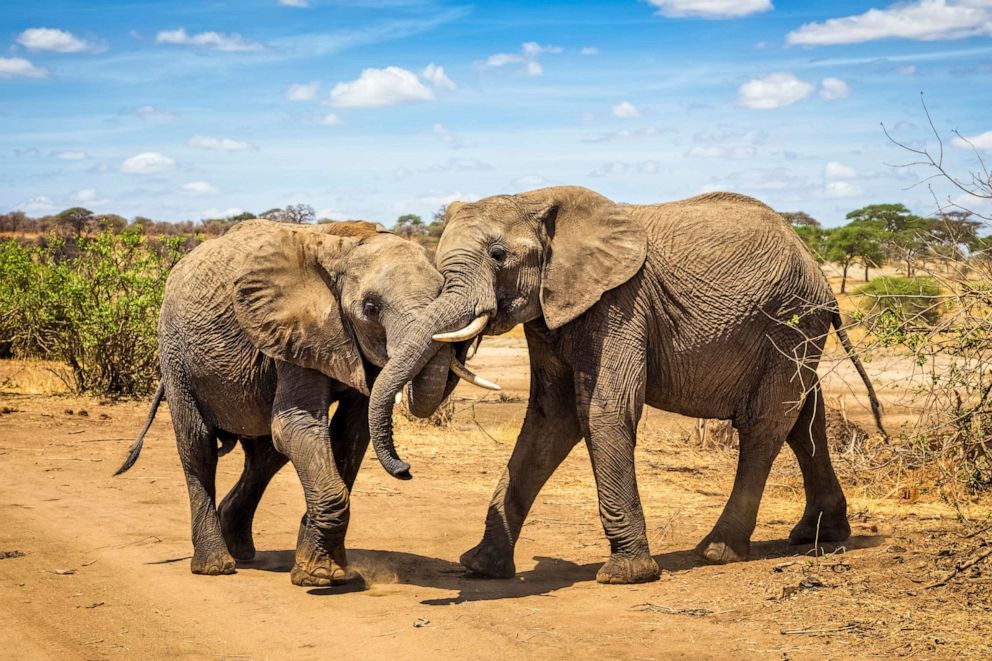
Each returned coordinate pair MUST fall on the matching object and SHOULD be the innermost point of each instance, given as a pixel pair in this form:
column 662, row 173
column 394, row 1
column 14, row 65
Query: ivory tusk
column 477, row 326
column 466, row 374
column 399, row 397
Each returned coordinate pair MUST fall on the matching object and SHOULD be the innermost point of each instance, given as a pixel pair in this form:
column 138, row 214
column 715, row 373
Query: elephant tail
column 132, row 455
column 845, row 341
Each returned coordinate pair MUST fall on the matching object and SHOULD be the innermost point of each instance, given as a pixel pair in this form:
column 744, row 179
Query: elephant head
column 341, row 299
column 548, row 254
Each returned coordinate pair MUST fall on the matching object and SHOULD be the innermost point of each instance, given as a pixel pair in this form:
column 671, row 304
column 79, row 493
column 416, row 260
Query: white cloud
column 85, row 195
column 843, row 189
column 437, row 78
column 907, row 70
column 18, row 67
column 711, row 8
column 148, row 162
column 718, row 151
column 51, row 39
column 589, row 50
column 924, row 20
column 533, row 49
column 835, row 171
column 303, row 91
column 376, row 88
column 982, row 142
column 773, row 91
column 624, row 167
column 625, row 110
column 151, row 112
column 300, row 4
column 198, row 188
column 530, row 52
column 37, row 205
column 452, row 140
column 230, row 43
column 832, row 89
column 330, row 119
column 218, row 144
column 220, row 213
column 71, row 155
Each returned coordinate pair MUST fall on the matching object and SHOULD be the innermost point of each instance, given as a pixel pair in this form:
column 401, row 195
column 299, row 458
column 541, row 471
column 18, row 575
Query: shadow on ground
column 378, row 568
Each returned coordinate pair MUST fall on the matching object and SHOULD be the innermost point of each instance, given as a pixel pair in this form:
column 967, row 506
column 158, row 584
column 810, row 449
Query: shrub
column 96, row 310
column 915, row 301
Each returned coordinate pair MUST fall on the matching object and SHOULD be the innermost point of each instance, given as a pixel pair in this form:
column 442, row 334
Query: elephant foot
column 318, row 577
column 489, row 561
column 626, row 569
column 832, row 528
column 237, row 535
column 242, row 549
column 212, row 563
column 722, row 546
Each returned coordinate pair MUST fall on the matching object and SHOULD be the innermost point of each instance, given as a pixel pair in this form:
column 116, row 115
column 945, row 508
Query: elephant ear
column 594, row 245
column 284, row 300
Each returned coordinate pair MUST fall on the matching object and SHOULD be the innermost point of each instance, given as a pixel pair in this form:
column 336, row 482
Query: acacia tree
column 74, row 220
column 297, row 214
column 409, row 225
column 799, row 219
column 860, row 241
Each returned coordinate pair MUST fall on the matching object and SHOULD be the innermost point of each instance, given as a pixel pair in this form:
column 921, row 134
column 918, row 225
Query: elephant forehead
column 394, row 263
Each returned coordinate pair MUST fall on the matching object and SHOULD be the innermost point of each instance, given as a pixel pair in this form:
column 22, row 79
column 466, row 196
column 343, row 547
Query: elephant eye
column 370, row 309
column 498, row 253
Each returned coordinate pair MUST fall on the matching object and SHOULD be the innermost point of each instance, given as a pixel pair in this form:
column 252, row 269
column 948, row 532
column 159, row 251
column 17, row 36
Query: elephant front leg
column 300, row 431
column 549, row 433
column 611, row 399
column 611, row 447
column 542, row 445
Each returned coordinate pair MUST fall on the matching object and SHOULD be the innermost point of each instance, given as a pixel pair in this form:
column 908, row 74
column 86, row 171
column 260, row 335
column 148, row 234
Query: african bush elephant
column 710, row 307
column 262, row 330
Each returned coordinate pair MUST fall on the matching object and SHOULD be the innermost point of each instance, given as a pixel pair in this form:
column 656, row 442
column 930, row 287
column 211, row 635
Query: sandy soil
column 105, row 571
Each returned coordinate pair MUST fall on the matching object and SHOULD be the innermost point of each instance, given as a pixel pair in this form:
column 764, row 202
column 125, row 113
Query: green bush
column 91, row 302
column 898, row 300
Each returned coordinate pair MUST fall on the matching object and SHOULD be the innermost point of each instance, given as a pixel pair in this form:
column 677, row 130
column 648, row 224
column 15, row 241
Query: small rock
column 83, row 413
column 104, row 416
column 69, row 411
column 64, row 572
column 421, row 622
column 11, row 554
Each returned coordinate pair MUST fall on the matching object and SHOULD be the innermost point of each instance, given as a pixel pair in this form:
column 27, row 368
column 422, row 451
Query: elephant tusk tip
column 399, row 397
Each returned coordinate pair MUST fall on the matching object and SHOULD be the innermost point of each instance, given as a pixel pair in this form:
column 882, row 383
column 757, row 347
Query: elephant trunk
column 414, row 352
column 427, row 390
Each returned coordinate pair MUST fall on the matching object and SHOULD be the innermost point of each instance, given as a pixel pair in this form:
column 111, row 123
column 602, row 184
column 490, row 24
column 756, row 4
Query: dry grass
column 34, row 377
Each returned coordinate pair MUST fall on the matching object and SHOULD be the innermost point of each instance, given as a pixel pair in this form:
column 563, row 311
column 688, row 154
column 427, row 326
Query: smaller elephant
column 260, row 332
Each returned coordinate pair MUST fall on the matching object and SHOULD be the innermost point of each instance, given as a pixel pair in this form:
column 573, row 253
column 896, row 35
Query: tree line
column 890, row 233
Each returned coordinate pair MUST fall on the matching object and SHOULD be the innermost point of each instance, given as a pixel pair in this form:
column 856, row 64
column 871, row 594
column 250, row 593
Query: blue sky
column 370, row 109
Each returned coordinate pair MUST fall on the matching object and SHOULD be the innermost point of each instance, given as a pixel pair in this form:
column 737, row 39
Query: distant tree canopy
column 800, row 219
column 297, row 214
column 880, row 233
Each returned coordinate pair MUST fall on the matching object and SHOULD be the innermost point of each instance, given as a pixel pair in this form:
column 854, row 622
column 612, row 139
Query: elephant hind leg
column 825, row 516
column 760, row 442
column 197, row 444
column 237, row 510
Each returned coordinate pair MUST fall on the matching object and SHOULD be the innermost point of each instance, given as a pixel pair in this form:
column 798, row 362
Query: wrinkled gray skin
column 701, row 307
column 262, row 330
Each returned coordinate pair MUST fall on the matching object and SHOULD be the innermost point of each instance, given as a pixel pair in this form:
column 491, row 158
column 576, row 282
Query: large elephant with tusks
column 711, row 307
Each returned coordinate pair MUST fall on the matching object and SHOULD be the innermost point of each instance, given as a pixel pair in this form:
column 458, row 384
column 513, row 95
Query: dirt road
column 105, row 570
